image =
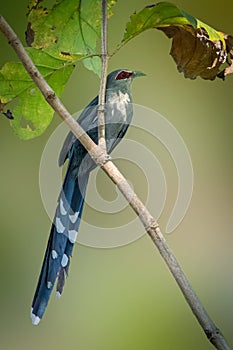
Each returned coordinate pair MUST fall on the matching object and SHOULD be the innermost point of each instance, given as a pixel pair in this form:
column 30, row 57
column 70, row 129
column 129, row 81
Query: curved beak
column 137, row 73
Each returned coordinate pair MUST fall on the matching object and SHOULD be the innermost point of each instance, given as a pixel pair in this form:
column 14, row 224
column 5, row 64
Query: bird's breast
column 118, row 106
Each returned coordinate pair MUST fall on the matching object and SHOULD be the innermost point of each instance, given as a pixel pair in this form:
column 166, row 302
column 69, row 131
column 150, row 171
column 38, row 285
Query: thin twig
column 104, row 59
column 150, row 224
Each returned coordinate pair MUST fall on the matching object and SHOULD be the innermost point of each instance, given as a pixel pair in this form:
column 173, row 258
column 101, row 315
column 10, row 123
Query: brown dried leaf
column 197, row 48
column 194, row 53
column 229, row 49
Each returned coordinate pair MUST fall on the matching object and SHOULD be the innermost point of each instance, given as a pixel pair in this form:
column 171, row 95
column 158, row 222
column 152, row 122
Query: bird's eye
column 123, row 75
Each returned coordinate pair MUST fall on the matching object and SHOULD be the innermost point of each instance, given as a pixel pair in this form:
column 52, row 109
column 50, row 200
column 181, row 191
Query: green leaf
column 59, row 37
column 71, row 27
column 197, row 49
column 93, row 63
column 161, row 15
column 31, row 112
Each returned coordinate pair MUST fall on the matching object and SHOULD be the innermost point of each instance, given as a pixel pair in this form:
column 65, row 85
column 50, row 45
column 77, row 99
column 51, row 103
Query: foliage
column 197, row 49
column 69, row 32
column 58, row 38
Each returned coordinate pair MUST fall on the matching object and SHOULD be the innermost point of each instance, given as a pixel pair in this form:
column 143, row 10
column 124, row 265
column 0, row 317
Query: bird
column 65, row 226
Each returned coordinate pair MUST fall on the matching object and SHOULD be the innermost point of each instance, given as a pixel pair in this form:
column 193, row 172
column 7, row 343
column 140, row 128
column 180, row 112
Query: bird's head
column 121, row 79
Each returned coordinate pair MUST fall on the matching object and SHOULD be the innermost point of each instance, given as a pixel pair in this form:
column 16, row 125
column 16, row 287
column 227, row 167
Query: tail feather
column 61, row 241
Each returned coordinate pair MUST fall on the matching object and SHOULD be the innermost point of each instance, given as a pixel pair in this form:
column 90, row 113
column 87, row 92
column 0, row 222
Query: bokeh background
column 125, row 298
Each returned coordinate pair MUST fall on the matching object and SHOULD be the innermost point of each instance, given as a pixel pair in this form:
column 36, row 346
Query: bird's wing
column 86, row 120
column 114, row 142
column 120, row 127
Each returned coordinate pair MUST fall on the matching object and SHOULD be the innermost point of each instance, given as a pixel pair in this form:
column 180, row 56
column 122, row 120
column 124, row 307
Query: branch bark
column 152, row 228
column 104, row 58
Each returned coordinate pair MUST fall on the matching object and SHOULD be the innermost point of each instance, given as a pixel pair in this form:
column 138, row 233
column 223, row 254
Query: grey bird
column 118, row 116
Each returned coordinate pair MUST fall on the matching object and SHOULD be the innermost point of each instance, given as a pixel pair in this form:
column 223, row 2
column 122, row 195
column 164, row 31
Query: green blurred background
column 125, row 298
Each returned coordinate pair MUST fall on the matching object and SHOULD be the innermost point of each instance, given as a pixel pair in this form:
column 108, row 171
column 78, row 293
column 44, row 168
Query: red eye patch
column 123, row 75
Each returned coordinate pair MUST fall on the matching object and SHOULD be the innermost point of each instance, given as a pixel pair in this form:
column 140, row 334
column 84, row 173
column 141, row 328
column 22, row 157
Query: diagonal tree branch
column 212, row 332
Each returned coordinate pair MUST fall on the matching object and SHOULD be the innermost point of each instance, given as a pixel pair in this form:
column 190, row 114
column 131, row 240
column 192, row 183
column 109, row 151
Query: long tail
column 61, row 241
